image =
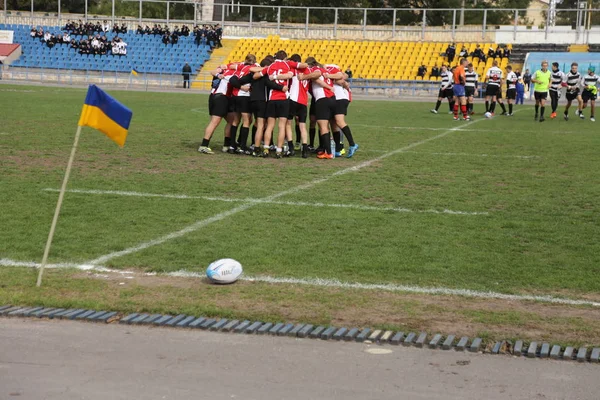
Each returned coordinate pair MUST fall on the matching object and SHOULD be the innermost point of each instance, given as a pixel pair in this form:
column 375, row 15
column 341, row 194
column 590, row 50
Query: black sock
column 542, row 112
column 487, row 106
column 537, row 109
column 348, row 135
column 451, row 106
column 227, row 142
column 232, row 135
column 290, row 145
column 205, row 142
column 326, row 137
column 510, row 108
column 503, row 108
column 336, row 138
column 253, row 133
column 493, row 107
column 244, row 137
column 311, row 133
column 298, row 139
column 438, row 104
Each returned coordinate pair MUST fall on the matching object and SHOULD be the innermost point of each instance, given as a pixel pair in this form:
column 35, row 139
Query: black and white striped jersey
column 556, row 80
column 471, row 79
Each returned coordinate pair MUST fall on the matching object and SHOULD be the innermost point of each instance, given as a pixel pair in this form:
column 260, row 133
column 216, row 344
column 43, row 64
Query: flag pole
column 58, row 206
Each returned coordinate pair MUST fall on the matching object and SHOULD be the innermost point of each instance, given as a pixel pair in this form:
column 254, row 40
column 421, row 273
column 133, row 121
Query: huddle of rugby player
column 275, row 93
column 459, row 87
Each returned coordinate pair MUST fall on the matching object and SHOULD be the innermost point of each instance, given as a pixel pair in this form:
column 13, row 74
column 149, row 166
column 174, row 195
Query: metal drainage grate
column 366, row 335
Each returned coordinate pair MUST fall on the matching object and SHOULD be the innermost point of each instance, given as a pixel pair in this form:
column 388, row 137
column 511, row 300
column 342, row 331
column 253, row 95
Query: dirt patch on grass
column 493, row 319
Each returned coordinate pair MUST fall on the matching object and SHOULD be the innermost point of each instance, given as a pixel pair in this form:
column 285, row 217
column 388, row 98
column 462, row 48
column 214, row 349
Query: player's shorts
column 298, row 110
column 511, row 94
column 459, row 90
column 278, row 109
column 540, row 95
column 231, row 104
column 492, row 90
column 469, row 91
column 218, row 105
column 586, row 95
column 258, row 108
column 311, row 110
column 572, row 95
column 341, row 107
column 444, row 93
column 325, row 108
column 242, row 104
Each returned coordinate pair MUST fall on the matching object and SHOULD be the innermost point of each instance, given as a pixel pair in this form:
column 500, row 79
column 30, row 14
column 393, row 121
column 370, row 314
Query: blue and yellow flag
column 105, row 114
column 134, row 72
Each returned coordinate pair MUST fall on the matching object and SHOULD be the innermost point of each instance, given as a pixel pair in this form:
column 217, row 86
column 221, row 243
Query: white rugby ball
column 225, row 270
column 488, row 115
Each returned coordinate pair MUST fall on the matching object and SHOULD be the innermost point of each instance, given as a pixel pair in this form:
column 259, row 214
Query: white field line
column 277, row 202
column 460, row 154
column 219, row 217
column 329, row 283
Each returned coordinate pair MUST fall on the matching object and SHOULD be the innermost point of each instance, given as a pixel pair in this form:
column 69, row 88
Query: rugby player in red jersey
column 325, row 105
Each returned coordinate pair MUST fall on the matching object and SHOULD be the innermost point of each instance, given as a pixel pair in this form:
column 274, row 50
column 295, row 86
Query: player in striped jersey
column 590, row 83
column 470, row 86
column 343, row 97
column 218, row 108
column 298, row 106
column 494, row 85
column 573, row 79
column 446, row 91
column 557, row 82
column 511, row 88
column 241, row 105
column 322, row 91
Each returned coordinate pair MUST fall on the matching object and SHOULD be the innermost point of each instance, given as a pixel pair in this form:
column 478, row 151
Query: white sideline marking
column 262, row 201
column 459, row 154
column 331, row 283
column 218, row 217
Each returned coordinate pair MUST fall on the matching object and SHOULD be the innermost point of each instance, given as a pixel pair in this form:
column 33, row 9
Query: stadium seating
column 367, row 60
column 145, row 53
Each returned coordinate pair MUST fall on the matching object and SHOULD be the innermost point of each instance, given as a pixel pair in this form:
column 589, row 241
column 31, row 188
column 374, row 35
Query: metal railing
column 505, row 25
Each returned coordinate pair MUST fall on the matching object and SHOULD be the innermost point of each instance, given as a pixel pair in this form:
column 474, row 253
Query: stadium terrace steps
column 366, row 59
column 579, row 48
column 145, row 53
column 519, row 51
column 204, row 79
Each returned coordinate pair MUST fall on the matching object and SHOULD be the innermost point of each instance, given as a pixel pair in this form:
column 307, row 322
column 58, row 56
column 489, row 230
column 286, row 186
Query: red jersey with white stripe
column 242, row 70
column 224, row 87
column 318, row 91
column 340, row 92
column 299, row 88
column 279, row 67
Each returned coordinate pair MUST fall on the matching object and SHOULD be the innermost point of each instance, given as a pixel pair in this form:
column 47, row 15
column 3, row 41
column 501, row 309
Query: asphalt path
column 45, row 359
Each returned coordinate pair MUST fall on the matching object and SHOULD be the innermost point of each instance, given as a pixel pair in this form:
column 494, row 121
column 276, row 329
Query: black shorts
column 492, row 90
column 341, row 107
column 278, row 109
column 572, row 95
column 231, row 104
column 298, row 110
column 469, row 91
column 325, row 108
column 448, row 93
column 540, row 95
column 218, row 105
column 242, row 104
column 511, row 94
column 311, row 110
column 586, row 95
column 259, row 108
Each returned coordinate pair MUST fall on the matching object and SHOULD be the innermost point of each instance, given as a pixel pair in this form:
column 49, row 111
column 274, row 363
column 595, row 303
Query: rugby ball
column 223, row 271
column 488, row 115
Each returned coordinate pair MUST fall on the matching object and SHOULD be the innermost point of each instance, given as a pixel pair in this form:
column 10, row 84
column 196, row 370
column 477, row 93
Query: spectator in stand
column 435, row 71
column 218, row 35
column 506, row 52
column 139, row 30
column 451, row 52
column 527, row 79
column 349, row 73
column 520, row 91
column 176, row 31
column 478, row 53
column 123, row 28
column 51, row 41
column 464, row 53
column 66, row 38
column 116, row 29
column 147, row 30
column 186, row 72
column 422, row 71
column 74, row 44
column 33, row 32
column 499, row 54
column 106, row 26
column 518, row 73
column 40, row 34
column 174, row 38
column 47, row 36
column 166, row 39
column 491, row 53
column 185, row 31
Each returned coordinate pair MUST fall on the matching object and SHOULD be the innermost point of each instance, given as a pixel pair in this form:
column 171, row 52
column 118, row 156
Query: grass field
column 507, row 205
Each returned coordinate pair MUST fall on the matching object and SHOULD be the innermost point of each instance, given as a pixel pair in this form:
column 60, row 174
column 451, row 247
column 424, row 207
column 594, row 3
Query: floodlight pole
column 58, row 207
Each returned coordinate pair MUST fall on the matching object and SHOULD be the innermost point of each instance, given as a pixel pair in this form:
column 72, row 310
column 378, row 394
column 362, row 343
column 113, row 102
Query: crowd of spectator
column 205, row 35
column 500, row 52
column 94, row 40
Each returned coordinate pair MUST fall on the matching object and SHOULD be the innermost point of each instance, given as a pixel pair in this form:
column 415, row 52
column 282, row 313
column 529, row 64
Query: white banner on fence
column 6, row 37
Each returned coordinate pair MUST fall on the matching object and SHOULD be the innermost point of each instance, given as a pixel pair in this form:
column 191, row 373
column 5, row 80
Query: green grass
column 540, row 233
